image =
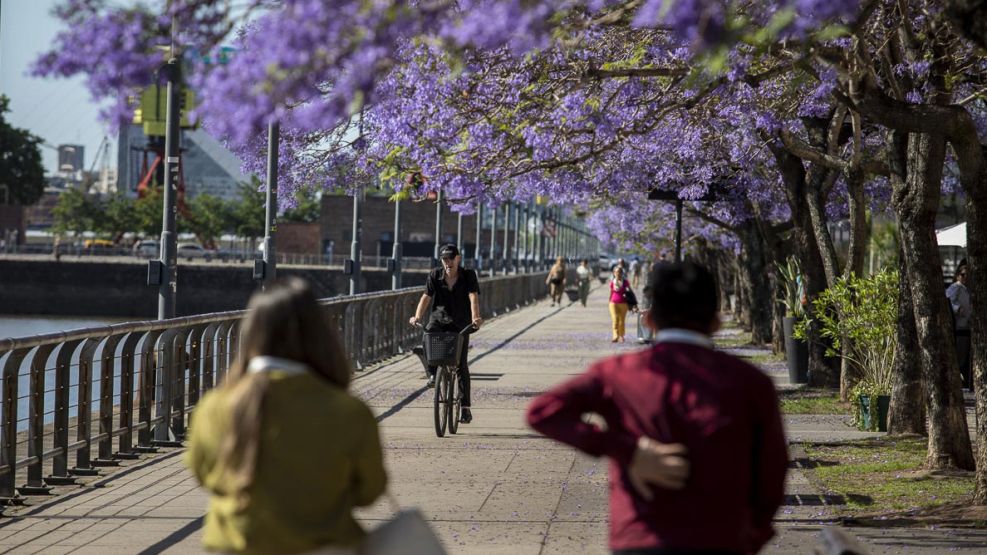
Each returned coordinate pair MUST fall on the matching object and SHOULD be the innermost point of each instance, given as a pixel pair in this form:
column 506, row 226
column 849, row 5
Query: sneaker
column 431, row 381
column 466, row 417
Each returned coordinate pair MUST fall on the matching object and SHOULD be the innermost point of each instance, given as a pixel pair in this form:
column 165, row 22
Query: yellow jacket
column 319, row 457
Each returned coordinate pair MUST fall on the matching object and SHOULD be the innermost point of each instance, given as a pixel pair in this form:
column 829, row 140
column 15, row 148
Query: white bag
column 406, row 534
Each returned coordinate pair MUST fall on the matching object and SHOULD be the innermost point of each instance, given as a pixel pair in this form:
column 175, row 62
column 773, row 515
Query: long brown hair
column 559, row 266
column 284, row 322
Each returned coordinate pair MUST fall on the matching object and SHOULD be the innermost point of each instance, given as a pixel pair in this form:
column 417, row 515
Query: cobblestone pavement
column 496, row 487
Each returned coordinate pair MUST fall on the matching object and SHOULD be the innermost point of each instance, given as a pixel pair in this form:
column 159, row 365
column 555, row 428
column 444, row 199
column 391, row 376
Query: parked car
column 97, row 244
column 190, row 251
column 147, row 248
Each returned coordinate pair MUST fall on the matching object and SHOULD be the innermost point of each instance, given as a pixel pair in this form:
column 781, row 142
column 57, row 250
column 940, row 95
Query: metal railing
column 68, row 392
column 243, row 257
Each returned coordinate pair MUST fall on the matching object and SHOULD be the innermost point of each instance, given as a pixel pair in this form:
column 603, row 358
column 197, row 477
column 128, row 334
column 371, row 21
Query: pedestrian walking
column 635, row 270
column 959, row 301
column 620, row 293
column 583, row 275
column 556, row 281
column 645, row 333
column 694, row 435
column 282, row 473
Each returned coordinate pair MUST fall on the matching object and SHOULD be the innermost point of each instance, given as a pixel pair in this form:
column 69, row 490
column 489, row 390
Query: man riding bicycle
column 454, row 291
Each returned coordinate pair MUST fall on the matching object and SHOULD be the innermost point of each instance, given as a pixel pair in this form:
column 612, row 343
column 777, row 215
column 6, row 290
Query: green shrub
column 858, row 319
column 792, row 291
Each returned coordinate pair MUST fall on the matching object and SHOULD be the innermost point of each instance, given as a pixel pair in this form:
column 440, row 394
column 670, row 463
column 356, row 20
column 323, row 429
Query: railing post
column 222, row 351
column 493, row 240
column 83, row 414
column 128, row 354
column 104, row 455
column 187, row 359
column 208, row 358
column 60, row 464
column 167, row 370
column 8, row 432
column 146, row 385
column 36, row 422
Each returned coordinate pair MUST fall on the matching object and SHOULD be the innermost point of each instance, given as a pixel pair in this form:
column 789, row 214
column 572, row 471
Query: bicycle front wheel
column 441, row 410
column 455, row 402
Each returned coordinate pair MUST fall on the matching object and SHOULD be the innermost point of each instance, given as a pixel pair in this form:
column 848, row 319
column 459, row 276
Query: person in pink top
column 619, row 288
column 694, row 435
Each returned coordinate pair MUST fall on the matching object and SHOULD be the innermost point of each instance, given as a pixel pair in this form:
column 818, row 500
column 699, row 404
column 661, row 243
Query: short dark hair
column 683, row 295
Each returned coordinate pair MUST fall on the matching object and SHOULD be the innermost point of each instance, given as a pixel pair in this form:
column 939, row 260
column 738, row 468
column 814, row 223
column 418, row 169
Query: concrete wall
column 117, row 289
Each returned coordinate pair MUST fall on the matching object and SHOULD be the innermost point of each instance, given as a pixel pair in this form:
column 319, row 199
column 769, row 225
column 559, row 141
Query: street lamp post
column 479, row 234
column 356, row 249
column 271, row 205
column 438, row 229
column 517, row 238
column 507, row 238
column 493, row 240
column 396, row 249
column 168, row 283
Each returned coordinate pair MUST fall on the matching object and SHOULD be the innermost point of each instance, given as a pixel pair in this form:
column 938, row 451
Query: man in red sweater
column 698, row 454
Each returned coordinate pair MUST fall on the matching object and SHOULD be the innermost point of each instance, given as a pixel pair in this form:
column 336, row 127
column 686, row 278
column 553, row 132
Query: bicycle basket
column 442, row 348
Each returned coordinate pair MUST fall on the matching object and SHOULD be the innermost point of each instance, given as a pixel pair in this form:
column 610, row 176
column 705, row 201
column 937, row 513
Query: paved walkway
column 494, row 488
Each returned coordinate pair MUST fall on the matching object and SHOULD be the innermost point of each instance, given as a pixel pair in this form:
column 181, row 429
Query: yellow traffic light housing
column 153, row 107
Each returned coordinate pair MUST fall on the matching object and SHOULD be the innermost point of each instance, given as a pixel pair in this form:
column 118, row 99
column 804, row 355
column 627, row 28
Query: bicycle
column 443, row 350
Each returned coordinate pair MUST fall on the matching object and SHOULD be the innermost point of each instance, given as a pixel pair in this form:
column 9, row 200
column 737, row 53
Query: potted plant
column 858, row 316
column 796, row 350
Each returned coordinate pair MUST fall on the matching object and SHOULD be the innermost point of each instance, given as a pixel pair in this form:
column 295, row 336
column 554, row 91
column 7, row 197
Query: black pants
column 672, row 551
column 464, row 371
column 963, row 356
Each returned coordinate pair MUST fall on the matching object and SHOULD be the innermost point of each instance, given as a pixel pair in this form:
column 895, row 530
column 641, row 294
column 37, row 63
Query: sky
column 59, row 111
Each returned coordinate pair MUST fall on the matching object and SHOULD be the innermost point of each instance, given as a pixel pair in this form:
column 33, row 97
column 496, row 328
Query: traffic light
column 153, row 108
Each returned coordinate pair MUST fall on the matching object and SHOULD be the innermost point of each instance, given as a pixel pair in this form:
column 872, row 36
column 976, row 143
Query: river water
column 22, row 326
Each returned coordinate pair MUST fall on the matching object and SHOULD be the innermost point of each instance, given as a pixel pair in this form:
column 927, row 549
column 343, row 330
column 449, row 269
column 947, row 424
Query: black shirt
column 455, row 301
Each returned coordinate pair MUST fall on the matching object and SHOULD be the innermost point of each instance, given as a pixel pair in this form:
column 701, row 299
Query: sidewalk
column 496, row 487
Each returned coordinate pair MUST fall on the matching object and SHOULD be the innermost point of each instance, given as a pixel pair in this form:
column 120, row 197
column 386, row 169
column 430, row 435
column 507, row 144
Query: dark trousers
column 672, row 551
column 464, row 371
column 963, row 356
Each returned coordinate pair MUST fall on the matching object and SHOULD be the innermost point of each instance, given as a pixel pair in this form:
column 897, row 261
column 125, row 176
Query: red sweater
column 726, row 413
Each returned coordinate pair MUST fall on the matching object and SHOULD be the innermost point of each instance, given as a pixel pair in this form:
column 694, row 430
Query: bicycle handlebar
column 466, row 331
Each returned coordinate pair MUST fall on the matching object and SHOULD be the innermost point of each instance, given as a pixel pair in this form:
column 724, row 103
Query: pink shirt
column 617, row 294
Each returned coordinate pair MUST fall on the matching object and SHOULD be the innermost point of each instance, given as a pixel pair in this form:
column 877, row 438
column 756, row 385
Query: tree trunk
column 756, row 267
column 859, row 228
column 725, row 281
column 916, row 204
column 907, row 412
column 821, row 373
column 740, row 294
column 976, row 231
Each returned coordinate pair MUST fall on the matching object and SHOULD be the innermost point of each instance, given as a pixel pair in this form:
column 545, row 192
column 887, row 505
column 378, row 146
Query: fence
column 91, row 387
column 223, row 256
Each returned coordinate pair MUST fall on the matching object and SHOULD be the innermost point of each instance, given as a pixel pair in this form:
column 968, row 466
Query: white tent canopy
column 952, row 236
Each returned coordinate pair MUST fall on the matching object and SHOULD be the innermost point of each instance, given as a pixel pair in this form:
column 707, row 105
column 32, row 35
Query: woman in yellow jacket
column 284, row 450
